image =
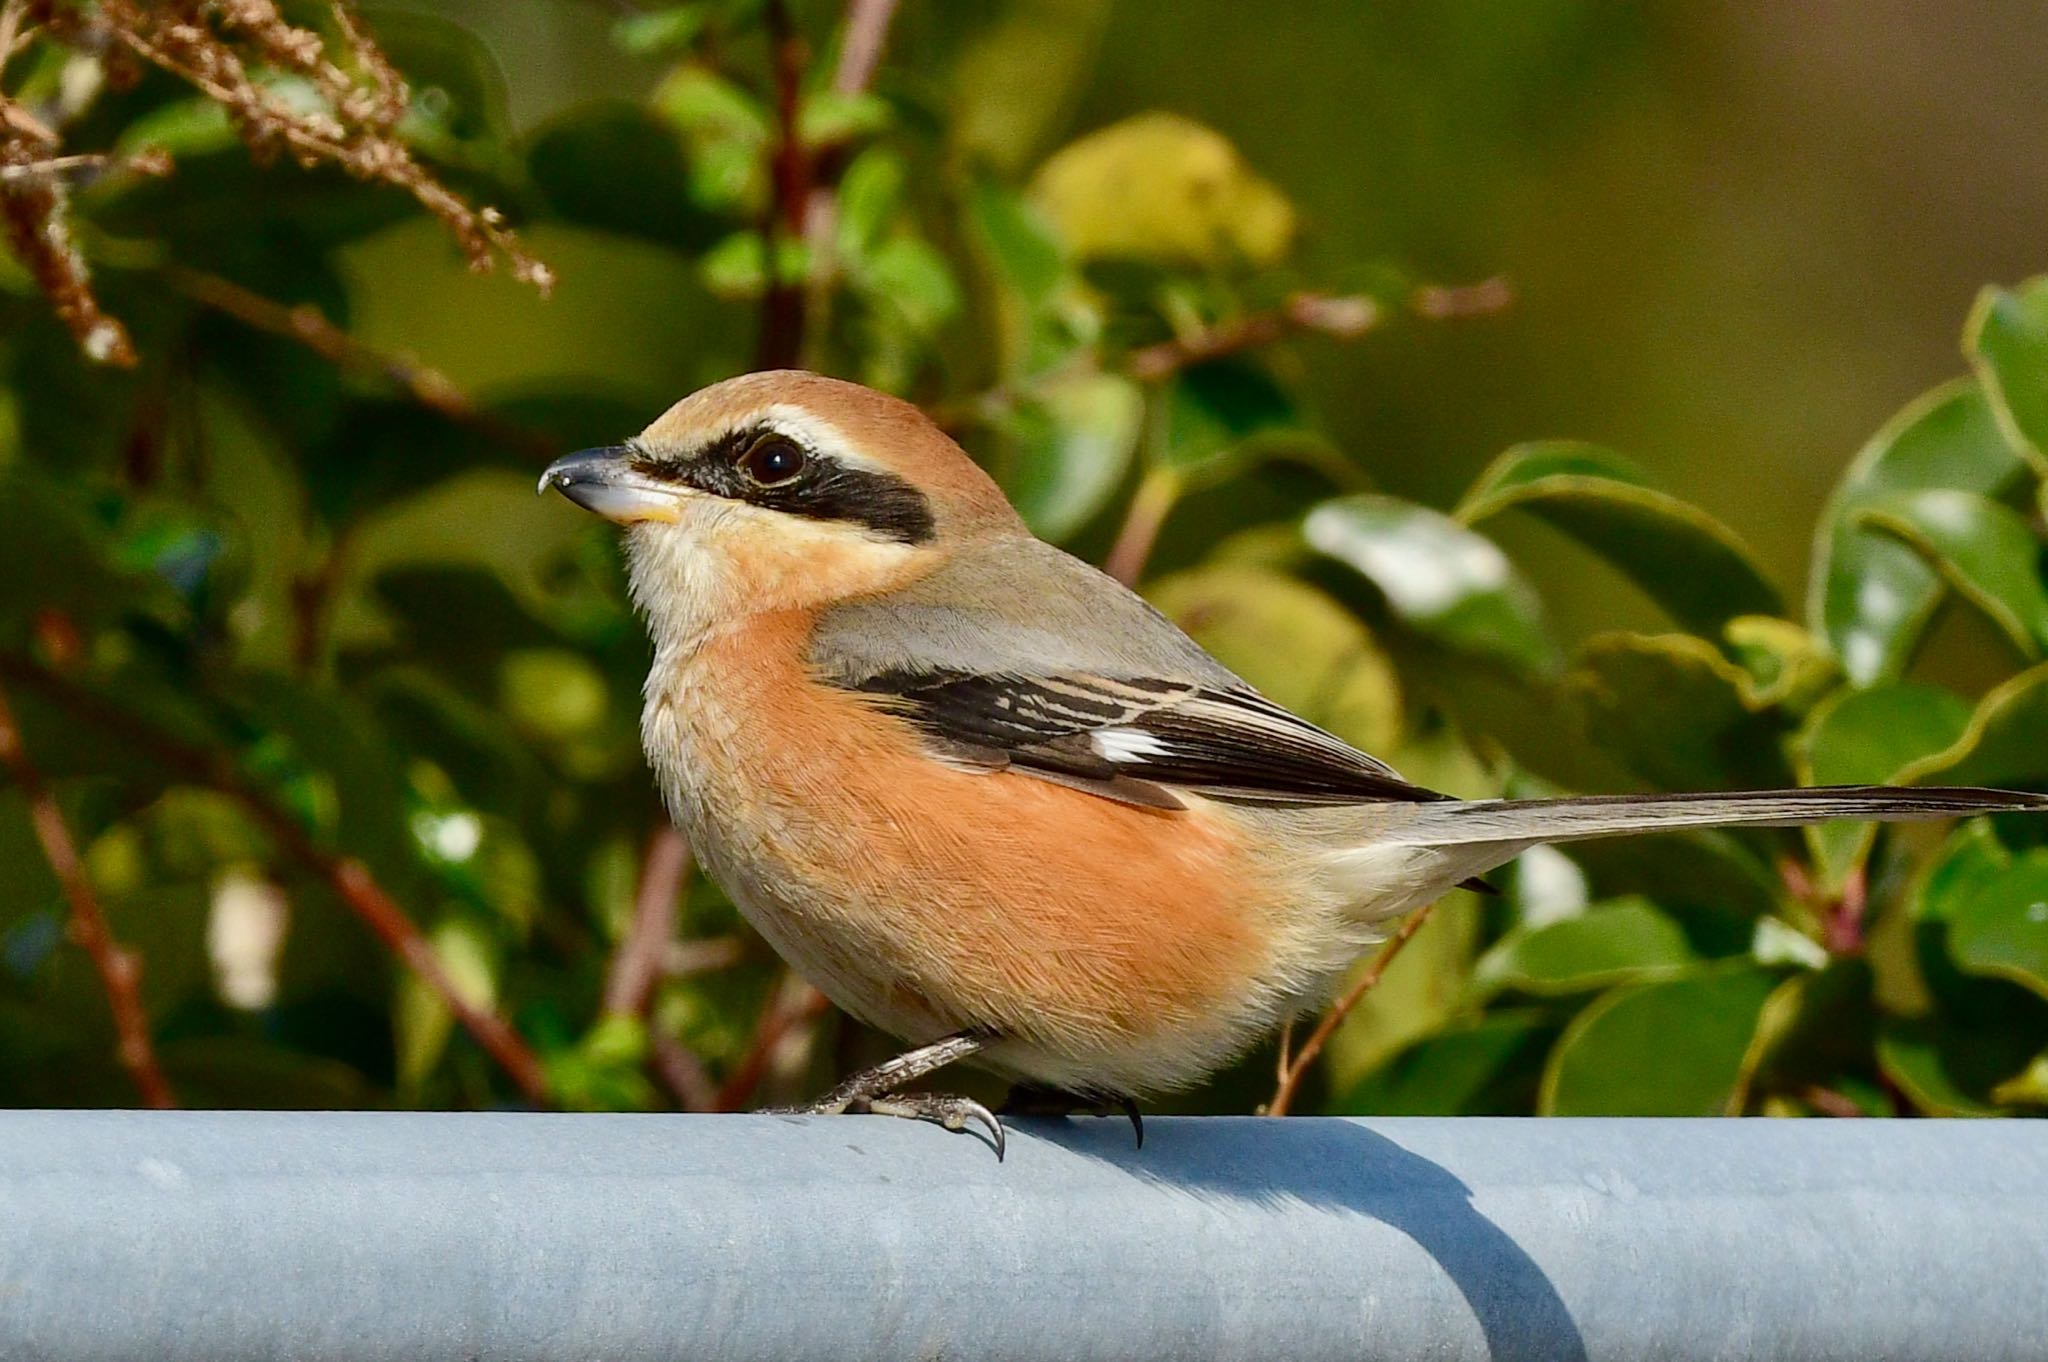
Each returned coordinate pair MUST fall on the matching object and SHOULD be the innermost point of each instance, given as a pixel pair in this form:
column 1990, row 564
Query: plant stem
column 1150, row 505
column 350, row 879
column 793, row 1004
column 1291, row 1076
column 641, row 958
column 119, row 970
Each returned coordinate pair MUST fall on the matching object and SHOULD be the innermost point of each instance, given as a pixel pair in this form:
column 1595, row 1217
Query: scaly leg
column 874, row 1091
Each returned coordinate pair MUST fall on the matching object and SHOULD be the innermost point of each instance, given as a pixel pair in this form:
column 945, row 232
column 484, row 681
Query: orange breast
column 982, row 899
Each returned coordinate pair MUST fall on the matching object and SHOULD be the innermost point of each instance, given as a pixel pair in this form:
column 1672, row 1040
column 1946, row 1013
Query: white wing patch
column 1125, row 744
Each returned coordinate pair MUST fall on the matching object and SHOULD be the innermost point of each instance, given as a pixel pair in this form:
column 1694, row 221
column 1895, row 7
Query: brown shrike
column 991, row 802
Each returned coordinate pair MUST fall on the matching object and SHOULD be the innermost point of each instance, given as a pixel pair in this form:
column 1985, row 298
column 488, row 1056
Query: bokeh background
column 339, row 720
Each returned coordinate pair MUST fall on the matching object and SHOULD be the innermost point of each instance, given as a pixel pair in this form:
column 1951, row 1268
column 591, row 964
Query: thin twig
column 1828, row 1102
column 865, row 36
column 860, row 50
column 1290, row 1080
column 309, row 326
column 359, row 889
column 350, row 879
column 1450, row 302
column 679, row 1070
column 1345, row 318
column 1843, row 923
column 119, row 970
column 641, row 958
column 706, row 955
column 781, row 342
column 1143, row 519
column 794, row 1003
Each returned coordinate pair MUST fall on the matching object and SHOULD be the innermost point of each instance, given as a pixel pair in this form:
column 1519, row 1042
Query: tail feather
column 1528, row 821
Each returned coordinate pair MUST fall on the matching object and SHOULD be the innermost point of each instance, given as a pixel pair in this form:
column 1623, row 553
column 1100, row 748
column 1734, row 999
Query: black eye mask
column 822, row 488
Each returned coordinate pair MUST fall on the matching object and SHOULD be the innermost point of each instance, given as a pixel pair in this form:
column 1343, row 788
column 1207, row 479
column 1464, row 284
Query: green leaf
column 1951, row 1069
column 1073, row 442
column 552, row 694
column 912, row 278
column 423, row 1020
column 1214, row 411
column 664, row 32
column 1159, row 187
column 1439, row 578
column 484, row 519
column 1675, row 1048
column 1626, row 941
column 2001, row 927
column 1871, row 596
column 1982, row 549
column 829, row 118
column 1708, row 879
column 1788, row 666
column 1676, row 712
column 1486, row 1066
column 737, row 267
column 616, row 167
column 2006, row 339
column 725, row 132
column 1018, row 73
column 1018, row 243
column 1869, row 737
column 1683, row 558
column 458, row 88
column 183, row 127
column 1297, row 645
column 53, row 558
column 2002, row 744
column 870, row 197
column 1817, row 1029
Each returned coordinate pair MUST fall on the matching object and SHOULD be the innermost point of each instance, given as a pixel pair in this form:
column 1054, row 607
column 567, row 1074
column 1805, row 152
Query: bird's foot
column 943, row 1109
column 1029, row 1099
column 874, row 1092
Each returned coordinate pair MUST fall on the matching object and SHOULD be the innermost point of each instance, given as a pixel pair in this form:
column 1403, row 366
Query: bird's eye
column 773, row 459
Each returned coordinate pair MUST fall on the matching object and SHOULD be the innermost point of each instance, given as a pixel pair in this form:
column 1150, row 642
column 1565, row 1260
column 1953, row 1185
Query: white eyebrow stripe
column 815, row 433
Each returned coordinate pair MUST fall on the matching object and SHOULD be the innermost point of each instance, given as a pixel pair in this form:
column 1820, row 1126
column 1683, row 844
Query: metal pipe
column 365, row 1236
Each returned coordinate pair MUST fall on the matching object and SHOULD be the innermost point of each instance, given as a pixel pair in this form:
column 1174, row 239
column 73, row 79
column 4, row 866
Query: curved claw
column 1130, row 1109
column 944, row 1109
column 1029, row 1099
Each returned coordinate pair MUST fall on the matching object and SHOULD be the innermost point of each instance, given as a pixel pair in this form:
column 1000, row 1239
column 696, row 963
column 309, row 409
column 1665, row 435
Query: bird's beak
column 605, row 481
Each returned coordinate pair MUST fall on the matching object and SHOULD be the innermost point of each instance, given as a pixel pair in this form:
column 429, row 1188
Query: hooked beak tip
column 602, row 481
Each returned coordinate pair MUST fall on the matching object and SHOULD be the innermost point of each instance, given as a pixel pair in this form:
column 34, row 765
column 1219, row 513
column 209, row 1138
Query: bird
column 992, row 803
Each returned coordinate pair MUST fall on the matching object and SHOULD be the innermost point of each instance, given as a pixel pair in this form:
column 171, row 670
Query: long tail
column 1528, row 821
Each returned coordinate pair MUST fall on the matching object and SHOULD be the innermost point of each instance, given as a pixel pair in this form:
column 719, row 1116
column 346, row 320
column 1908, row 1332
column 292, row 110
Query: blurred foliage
column 280, row 615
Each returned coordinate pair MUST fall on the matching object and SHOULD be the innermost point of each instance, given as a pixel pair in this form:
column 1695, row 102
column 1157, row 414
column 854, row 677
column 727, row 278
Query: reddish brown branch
column 351, row 880
column 794, row 1004
column 860, row 50
column 119, row 970
column 681, row 1072
column 1344, row 318
column 781, row 342
column 641, row 958
column 1292, row 1074
column 1143, row 520
column 310, row 327
column 1339, row 317
column 357, row 131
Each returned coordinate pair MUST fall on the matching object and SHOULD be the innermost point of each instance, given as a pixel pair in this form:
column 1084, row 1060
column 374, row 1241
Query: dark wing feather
column 1136, row 738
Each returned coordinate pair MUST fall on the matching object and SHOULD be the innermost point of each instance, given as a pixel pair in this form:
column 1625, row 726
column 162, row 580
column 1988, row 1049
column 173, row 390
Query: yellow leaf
column 1163, row 188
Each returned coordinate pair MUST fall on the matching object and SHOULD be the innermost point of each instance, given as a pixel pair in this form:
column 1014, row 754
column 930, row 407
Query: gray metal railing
column 223, row 1236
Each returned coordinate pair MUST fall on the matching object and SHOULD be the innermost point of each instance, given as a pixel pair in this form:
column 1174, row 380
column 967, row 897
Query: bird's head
column 782, row 490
